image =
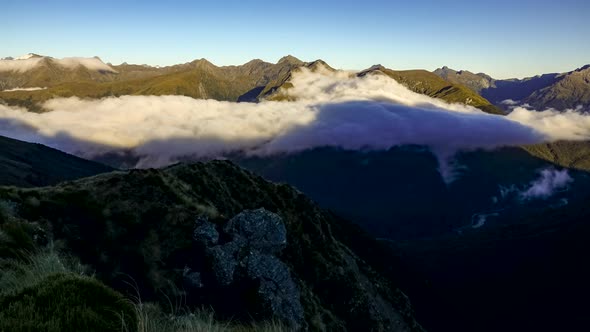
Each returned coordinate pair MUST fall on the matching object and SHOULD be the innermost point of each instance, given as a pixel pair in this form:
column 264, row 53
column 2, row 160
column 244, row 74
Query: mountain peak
column 446, row 69
column 28, row 56
column 373, row 69
column 290, row 59
column 254, row 61
column 203, row 63
column 376, row 67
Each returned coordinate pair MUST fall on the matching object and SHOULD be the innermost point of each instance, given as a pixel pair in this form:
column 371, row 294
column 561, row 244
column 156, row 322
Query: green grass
column 571, row 154
column 48, row 291
column 66, row 302
column 19, row 274
column 43, row 290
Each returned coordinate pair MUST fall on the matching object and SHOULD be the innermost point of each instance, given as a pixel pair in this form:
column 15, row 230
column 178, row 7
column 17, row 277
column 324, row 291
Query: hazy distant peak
column 255, row 61
column 202, row 63
column 31, row 61
column 446, row 71
column 290, row 59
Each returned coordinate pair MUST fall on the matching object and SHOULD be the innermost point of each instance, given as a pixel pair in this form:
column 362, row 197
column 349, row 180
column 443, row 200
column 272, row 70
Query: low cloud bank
column 25, row 64
column 23, row 89
column 337, row 110
column 565, row 125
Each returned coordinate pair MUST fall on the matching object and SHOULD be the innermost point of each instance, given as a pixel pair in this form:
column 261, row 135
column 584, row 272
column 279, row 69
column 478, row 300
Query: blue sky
column 514, row 38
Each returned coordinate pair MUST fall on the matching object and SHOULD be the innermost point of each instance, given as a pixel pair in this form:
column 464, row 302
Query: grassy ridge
column 427, row 83
column 27, row 164
column 140, row 223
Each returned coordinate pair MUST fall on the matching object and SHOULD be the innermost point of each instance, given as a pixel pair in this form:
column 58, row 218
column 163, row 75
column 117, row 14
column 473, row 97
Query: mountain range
column 36, row 79
column 555, row 90
column 252, row 81
column 90, row 77
column 321, row 239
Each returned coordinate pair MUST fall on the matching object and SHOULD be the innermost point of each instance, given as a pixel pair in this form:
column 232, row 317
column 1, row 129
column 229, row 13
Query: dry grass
column 152, row 319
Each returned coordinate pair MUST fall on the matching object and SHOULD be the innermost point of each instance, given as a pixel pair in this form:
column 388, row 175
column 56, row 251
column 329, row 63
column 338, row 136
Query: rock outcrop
column 246, row 262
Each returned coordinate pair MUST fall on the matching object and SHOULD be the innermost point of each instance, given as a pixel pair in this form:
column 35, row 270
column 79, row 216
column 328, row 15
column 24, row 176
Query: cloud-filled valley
column 331, row 109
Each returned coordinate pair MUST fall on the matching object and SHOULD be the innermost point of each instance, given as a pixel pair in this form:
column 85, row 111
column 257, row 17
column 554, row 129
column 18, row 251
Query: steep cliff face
column 148, row 225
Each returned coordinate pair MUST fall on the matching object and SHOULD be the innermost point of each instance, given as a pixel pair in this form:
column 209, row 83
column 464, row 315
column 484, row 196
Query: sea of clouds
column 330, row 109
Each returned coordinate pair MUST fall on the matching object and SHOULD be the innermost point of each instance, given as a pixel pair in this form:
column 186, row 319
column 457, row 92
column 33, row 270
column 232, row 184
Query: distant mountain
column 476, row 82
column 41, row 71
column 197, row 79
column 427, row 83
column 419, row 81
column 277, row 89
column 31, row 165
column 250, row 82
column 38, row 79
column 559, row 91
column 569, row 91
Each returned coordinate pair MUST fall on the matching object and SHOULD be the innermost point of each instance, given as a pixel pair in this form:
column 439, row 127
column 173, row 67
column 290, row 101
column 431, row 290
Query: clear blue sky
column 513, row 38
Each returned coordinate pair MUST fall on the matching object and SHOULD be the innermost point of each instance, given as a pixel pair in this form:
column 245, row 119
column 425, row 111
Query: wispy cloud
column 549, row 181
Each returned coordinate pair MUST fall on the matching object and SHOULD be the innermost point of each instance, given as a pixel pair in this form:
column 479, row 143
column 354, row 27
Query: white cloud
column 549, row 181
column 509, row 102
column 565, row 125
column 338, row 110
column 20, row 66
column 24, row 89
column 90, row 63
column 26, row 64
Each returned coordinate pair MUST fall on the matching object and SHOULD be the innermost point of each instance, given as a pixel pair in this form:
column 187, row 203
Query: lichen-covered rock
column 262, row 229
column 224, row 260
column 205, row 232
column 277, row 291
column 247, row 262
